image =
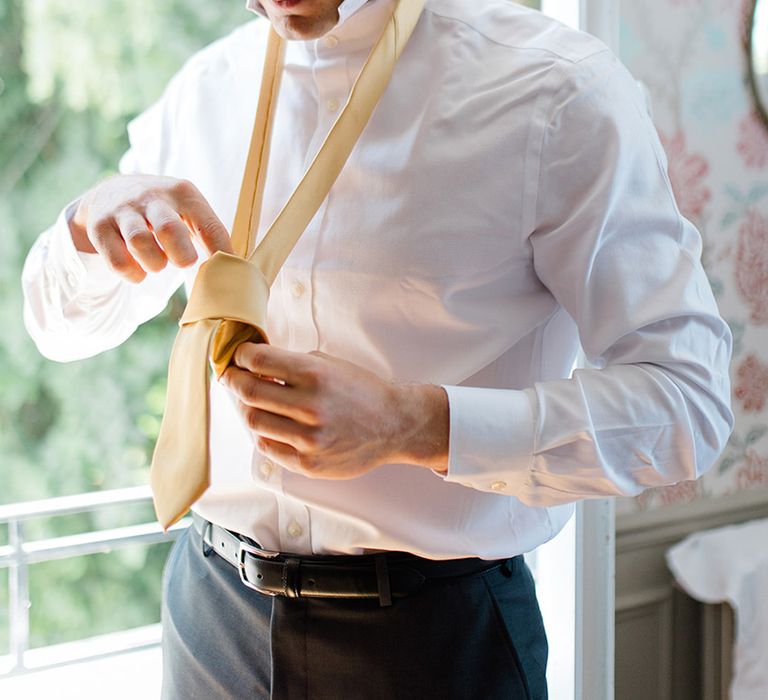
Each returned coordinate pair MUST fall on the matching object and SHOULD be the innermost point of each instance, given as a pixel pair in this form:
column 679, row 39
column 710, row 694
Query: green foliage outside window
column 71, row 75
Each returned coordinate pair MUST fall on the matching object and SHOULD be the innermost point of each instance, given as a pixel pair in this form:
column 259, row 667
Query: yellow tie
column 228, row 302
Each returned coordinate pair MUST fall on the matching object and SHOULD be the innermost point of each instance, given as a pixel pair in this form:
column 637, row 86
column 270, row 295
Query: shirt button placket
column 266, row 473
column 294, row 528
column 295, row 533
column 297, row 290
column 297, row 298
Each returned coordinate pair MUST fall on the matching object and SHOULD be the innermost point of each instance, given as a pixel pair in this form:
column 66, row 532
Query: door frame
column 596, row 519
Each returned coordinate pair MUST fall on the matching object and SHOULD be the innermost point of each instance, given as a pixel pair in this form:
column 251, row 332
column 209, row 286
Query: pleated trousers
column 475, row 637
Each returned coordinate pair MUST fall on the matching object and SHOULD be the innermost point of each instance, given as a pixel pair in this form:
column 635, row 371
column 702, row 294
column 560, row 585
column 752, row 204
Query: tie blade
column 226, row 287
column 180, row 471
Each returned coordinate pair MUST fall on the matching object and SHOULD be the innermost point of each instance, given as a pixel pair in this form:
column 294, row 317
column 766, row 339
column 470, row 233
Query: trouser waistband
column 384, row 575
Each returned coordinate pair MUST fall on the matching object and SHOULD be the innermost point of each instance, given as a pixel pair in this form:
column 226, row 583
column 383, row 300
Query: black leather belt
column 384, row 576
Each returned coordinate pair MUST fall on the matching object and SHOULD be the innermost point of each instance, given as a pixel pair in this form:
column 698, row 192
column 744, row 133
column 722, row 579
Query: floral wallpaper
column 690, row 56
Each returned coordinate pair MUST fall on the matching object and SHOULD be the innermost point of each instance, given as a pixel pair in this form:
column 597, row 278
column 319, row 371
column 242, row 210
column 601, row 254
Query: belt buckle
column 245, row 548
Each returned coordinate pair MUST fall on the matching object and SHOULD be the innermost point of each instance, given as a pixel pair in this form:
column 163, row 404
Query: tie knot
column 228, row 287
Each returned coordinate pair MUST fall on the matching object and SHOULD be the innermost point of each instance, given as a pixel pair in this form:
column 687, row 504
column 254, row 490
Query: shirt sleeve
column 74, row 305
column 611, row 246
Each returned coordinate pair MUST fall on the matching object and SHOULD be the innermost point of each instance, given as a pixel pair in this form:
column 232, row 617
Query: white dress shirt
column 508, row 199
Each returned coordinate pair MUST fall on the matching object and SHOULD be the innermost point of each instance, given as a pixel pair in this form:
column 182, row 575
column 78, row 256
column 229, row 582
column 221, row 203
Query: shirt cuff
column 78, row 273
column 491, row 438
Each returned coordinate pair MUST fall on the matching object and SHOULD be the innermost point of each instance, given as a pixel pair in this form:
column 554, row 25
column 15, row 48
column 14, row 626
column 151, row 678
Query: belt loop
column 382, row 580
column 207, row 549
column 291, row 578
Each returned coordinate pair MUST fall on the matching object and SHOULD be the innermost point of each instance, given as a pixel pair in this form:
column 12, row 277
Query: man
column 507, row 199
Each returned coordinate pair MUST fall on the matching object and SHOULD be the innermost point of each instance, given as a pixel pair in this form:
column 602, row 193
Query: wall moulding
column 653, row 614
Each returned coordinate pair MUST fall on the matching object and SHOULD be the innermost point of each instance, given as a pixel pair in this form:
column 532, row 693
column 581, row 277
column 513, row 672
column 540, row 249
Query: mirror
column 757, row 54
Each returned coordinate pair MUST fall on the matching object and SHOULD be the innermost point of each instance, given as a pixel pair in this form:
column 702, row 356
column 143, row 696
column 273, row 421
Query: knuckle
column 124, row 266
column 311, row 415
column 118, row 264
column 131, row 205
column 209, row 226
column 308, row 462
column 252, row 356
column 314, row 377
column 310, row 442
column 182, row 254
column 183, row 189
column 250, row 391
column 139, row 238
column 101, row 225
column 166, row 226
column 253, row 418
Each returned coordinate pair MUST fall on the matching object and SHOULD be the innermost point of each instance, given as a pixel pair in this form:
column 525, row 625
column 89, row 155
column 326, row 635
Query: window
column 71, row 76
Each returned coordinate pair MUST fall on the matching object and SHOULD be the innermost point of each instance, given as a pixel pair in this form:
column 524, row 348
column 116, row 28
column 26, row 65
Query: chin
column 298, row 28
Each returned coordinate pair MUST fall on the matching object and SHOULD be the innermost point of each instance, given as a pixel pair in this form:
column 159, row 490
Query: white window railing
column 20, row 553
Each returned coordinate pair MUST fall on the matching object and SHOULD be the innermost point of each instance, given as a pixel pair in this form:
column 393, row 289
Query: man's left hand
column 324, row 417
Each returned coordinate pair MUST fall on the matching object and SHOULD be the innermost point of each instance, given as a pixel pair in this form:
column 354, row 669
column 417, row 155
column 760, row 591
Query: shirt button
column 330, row 41
column 266, row 468
column 294, row 529
column 332, row 105
column 498, row 485
column 297, row 289
column 71, row 279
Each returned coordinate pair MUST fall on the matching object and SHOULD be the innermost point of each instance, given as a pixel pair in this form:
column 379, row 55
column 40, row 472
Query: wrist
column 423, row 433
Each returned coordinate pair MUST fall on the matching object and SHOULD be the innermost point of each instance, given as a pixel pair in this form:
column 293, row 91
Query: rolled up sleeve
column 75, row 306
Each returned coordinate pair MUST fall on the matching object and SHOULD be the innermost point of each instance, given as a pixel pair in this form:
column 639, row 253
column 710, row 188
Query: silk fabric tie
column 228, row 302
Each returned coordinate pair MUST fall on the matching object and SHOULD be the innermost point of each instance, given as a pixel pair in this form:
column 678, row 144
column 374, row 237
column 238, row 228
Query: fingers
column 139, row 223
column 282, row 454
column 105, row 236
column 199, row 216
column 269, row 396
column 295, row 369
column 140, row 241
column 171, row 232
column 273, row 427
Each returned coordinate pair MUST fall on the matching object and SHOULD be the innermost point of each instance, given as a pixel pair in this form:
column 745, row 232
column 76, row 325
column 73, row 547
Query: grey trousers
column 476, row 637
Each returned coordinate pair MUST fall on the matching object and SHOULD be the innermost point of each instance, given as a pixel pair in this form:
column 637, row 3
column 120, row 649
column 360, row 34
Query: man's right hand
column 140, row 223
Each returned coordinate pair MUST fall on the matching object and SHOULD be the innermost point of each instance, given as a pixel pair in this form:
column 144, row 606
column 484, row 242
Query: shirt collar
column 359, row 26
